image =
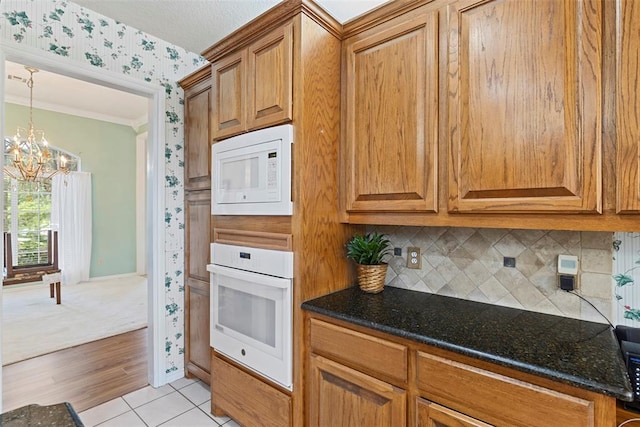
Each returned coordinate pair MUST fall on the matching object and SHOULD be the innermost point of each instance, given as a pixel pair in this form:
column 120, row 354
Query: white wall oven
column 251, row 308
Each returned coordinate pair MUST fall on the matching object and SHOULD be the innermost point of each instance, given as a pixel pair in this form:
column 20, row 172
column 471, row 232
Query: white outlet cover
column 568, row 264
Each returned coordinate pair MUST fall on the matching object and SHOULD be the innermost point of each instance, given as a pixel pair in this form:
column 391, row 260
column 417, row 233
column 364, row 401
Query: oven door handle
column 257, row 278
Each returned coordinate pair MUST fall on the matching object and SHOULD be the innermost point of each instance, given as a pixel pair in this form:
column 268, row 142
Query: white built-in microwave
column 251, row 173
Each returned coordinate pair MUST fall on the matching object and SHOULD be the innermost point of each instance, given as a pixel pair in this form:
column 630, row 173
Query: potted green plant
column 368, row 252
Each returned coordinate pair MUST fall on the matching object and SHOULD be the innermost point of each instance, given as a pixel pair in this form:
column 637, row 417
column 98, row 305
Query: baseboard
column 173, row 376
column 114, row 276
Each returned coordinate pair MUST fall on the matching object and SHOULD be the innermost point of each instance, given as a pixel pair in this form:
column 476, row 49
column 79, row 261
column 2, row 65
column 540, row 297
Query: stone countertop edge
column 571, row 351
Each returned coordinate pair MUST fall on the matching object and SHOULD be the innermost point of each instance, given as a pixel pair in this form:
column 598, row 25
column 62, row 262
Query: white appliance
column 251, row 308
column 251, row 173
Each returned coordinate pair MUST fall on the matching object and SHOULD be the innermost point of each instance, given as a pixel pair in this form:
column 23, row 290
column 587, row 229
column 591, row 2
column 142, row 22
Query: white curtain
column 71, row 216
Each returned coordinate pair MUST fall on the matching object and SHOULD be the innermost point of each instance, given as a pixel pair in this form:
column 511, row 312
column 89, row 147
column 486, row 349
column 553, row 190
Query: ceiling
column 194, row 25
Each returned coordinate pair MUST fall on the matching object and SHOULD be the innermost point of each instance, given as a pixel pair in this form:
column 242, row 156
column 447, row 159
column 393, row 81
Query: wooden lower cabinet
column 431, row 414
column 197, row 226
column 245, row 398
column 198, row 350
column 346, row 397
column 498, row 399
column 417, row 384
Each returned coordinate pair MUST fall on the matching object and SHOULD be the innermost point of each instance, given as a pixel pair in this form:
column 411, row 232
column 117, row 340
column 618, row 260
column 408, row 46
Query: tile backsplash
column 468, row 263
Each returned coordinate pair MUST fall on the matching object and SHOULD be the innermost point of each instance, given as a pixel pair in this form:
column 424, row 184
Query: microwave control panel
column 272, row 171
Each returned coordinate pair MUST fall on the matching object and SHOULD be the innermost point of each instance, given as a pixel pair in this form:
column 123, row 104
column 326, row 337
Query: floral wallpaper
column 73, row 33
column 626, row 279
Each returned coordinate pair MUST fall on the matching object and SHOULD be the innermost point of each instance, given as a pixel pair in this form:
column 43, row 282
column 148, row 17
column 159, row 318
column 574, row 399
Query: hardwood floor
column 85, row 376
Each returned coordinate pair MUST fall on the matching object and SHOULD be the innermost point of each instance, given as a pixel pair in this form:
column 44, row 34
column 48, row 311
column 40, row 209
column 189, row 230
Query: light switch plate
column 414, row 259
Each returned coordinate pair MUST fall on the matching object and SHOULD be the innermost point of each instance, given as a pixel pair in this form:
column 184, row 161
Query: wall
column 106, row 150
column 468, row 263
column 74, row 34
column 626, row 279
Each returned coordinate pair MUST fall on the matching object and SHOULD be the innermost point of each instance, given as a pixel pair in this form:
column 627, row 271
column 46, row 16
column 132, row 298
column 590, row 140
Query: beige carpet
column 33, row 324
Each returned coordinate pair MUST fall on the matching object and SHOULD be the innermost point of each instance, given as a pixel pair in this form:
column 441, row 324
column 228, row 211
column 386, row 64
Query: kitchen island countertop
column 575, row 352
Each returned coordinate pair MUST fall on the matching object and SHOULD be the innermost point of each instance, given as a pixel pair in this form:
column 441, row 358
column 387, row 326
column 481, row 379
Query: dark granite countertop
column 58, row 415
column 580, row 353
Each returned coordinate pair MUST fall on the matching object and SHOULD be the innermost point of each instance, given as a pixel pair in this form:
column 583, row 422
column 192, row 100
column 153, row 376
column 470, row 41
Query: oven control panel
column 263, row 261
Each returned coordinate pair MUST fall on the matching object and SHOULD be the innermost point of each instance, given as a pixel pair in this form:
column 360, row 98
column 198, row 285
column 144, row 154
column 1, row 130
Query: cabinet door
column 197, row 348
column 340, row 396
column 390, row 93
column 197, row 234
column 197, row 136
column 198, row 218
column 628, row 107
column 525, row 110
column 431, row 415
column 270, row 78
column 228, row 95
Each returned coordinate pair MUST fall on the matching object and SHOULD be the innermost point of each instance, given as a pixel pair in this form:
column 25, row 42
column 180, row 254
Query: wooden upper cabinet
column 628, row 107
column 270, row 78
column 228, row 93
column 253, row 88
column 525, row 106
column 390, row 116
column 197, row 136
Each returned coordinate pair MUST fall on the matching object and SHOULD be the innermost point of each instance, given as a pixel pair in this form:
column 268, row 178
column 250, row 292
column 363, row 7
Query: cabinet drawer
column 246, row 399
column 498, row 399
column 381, row 358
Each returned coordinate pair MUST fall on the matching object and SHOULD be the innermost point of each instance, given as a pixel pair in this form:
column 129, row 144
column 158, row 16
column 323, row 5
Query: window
column 27, row 212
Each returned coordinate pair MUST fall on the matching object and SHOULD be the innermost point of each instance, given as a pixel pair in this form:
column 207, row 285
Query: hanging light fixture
column 30, row 155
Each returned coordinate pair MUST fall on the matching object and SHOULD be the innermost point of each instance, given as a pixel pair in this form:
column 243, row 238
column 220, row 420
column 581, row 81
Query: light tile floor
column 185, row 402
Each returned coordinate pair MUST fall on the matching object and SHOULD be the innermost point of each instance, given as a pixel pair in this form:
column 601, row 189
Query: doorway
column 154, row 194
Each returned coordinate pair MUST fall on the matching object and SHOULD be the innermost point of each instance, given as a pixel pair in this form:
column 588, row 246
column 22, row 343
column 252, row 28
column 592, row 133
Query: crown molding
column 78, row 112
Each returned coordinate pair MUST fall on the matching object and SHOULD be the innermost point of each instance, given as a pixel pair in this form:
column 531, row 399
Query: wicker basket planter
column 371, row 277
column 368, row 253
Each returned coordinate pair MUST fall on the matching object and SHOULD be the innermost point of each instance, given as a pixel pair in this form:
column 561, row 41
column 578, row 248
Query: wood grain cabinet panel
column 443, row 389
column 628, row 107
column 430, row 414
column 197, row 240
column 270, row 78
column 197, row 348
column 496, row 398
column 228, row 93
column 197, row 203
column 382, row 358
column 525, row 106
column 197, row 232
column 389, row 118
column 341, row 396
column 197, row 108
column 246, row 399
column 253, row 88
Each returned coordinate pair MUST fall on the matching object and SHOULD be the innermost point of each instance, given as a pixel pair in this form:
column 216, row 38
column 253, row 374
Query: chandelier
column 30, row 155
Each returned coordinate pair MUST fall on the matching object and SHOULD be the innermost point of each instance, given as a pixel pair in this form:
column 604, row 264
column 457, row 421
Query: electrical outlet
column 414, row 259
column 509, row 262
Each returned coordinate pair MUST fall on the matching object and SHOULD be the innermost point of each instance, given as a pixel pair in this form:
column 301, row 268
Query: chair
column 47, row 273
